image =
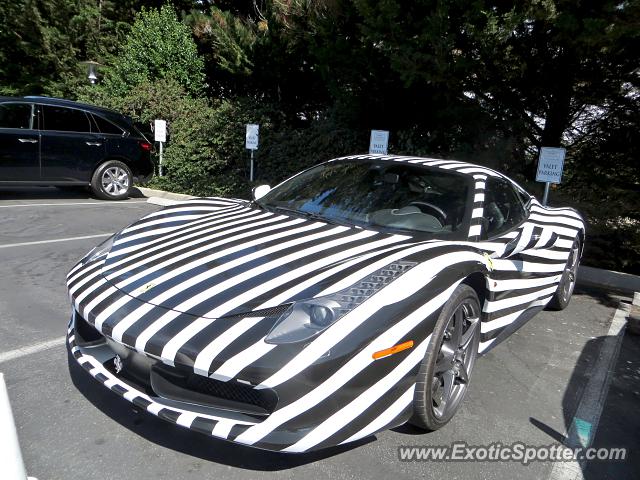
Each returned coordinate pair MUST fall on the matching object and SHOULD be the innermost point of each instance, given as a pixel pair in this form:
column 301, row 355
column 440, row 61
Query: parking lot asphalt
column 525, row 390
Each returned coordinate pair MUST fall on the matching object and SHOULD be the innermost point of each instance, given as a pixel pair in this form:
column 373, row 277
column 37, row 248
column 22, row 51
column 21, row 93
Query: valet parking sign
column 550, row 164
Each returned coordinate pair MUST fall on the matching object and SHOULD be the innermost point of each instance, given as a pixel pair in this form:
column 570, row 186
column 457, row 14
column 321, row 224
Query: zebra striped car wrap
column 197, row 287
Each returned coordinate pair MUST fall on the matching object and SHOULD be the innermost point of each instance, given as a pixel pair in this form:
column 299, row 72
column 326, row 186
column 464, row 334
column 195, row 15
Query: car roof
column 61, row 102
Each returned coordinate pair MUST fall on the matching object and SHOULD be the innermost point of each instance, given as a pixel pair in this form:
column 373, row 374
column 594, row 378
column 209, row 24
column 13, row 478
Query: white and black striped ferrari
column 349, row 299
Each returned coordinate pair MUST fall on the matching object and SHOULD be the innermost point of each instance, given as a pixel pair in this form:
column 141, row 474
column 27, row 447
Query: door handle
column 28, row 140
column 93, row 144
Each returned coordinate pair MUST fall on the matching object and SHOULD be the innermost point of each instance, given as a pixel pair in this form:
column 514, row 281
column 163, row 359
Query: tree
column 158, row 46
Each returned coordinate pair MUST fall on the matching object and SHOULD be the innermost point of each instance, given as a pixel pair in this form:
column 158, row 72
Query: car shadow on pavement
column 187, row 441
column 619, row 423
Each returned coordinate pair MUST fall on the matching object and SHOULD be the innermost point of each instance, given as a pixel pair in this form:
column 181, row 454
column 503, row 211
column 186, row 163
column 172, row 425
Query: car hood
column 238, row 258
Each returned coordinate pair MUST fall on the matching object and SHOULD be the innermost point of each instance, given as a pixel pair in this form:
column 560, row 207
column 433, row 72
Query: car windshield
column 380, row 194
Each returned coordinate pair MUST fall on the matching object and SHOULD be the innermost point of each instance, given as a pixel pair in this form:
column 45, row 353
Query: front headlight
column 103, row 249
column 307, row 318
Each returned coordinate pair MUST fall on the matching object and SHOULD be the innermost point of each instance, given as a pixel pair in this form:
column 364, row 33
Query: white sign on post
column 379, row 141
column 550, row 164
column 252, row 136
column 160, row 130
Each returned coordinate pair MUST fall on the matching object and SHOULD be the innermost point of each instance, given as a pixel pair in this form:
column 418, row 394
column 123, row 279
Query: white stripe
column 548, row 254
column 222, row 429
column 186, row 419
column 518, row 283
column 484, row 345
column 360, row 404
column 475, row 230
column 496, row 305
column 476, row 212
column 57, row 240
column 529, row 267
column 155, row 408
column 394, row 410
column 238, row 362
column 478, row 197
column 499, row 322
column 30, row 349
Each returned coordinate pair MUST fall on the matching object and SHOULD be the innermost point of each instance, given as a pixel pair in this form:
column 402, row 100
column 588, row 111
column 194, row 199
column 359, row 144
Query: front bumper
column 96, row 357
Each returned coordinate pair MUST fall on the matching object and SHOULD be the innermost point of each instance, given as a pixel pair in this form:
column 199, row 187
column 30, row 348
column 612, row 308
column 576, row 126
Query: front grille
column 264, row 398
column 182, row 386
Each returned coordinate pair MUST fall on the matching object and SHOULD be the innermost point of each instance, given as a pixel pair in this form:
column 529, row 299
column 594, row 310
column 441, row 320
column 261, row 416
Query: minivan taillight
column 146, row 146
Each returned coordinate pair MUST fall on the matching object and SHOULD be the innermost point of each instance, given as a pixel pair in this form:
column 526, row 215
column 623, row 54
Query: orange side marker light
column 390, row 351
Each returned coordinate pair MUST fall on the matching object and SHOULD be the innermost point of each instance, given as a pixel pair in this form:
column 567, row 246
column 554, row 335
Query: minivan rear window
column 105, row 126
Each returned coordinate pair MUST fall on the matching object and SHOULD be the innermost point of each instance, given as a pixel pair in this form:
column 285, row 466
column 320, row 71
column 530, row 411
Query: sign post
column 160, row 135
column 379, row 141
column 251, row 142
column 550, row 165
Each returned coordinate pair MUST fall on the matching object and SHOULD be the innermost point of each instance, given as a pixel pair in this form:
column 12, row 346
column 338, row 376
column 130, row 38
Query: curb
column 598, row 277
column 160, row 197
column 587, row 276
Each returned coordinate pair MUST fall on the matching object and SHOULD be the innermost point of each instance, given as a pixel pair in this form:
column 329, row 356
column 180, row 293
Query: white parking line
column 71, row 203
column 28, row 350
column 584, row 423
column 56, row 240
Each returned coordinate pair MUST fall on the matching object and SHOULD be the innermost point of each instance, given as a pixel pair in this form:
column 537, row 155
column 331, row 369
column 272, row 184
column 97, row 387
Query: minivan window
column 15, row 115
column 105, row 126
column 65, row 119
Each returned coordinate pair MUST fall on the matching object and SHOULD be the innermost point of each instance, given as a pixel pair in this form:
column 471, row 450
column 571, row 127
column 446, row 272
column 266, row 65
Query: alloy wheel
column 456, row 359
column 115, row 181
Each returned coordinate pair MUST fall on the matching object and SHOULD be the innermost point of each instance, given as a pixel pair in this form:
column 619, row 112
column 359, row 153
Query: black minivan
column 49, row 141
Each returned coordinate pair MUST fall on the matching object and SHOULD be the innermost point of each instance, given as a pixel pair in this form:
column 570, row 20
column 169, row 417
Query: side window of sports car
column 503, row 208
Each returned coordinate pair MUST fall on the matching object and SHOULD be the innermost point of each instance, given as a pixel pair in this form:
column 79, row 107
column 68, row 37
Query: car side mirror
column 260, row 191
column 529, row 238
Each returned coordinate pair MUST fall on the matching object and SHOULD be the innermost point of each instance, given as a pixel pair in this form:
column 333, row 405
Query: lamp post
column 92, row 71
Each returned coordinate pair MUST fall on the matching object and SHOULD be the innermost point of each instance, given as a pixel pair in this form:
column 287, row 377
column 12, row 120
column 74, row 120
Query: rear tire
column 445, row 371
column 112, row 180
column 562, row 297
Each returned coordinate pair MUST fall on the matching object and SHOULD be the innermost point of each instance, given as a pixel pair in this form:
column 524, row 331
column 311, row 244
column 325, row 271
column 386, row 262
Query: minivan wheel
column 112, row 181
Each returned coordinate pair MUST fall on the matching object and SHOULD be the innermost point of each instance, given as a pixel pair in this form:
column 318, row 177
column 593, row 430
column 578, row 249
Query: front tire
column 562, row 296
column 445, row 371
column 112, row 180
